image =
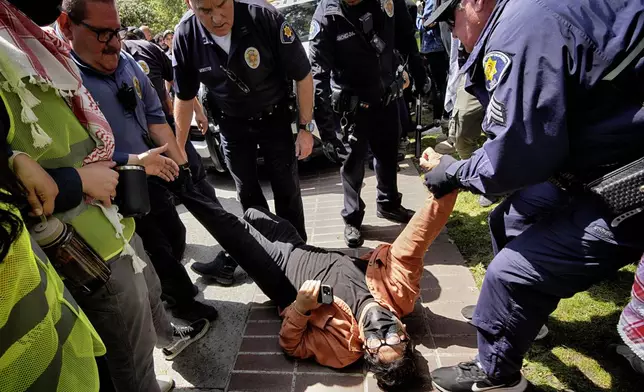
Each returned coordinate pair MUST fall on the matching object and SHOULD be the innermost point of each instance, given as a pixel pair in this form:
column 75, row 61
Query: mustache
column 111, row 50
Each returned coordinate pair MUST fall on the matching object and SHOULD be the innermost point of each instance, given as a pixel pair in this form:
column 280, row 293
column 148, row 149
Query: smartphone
column 325, row 296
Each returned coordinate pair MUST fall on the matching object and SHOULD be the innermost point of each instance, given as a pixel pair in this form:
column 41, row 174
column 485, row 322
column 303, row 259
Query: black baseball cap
column 442, row 13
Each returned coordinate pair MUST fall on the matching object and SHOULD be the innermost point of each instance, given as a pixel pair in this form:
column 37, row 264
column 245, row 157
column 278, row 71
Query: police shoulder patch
column 287, row 35
column 495, row 65
column 137, row 87
column 144, row 66
column 314, row 29
column 496, row 112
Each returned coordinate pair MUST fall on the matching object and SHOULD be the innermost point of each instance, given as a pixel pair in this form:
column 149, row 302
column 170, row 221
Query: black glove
column 335, row 151
column 438, row 181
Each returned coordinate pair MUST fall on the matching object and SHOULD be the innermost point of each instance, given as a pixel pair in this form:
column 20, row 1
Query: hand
column 307, row 297
column 406, row 83
column 430, row 159
column 202, row 121
column 159, row 165
column 99, row 181
column 438, row 181
column 41, row 188
column 303, row 144
column 335, row 151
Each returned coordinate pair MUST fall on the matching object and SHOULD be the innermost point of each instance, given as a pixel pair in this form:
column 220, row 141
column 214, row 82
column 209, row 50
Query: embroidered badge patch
column 388, row 6
column 314, row 29
column 495, row 65
column 144, row 66
column 137, row 87
column 251, row 55
column 496, row 112
column 287, row 35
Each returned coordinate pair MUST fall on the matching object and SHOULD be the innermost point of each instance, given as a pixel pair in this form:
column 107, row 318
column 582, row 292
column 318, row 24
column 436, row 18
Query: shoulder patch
column 495, row 65
column 137, row 87
column 144, row 66
column 496, row 112
column 314, row 29
column 388, row 7
column 287, row 35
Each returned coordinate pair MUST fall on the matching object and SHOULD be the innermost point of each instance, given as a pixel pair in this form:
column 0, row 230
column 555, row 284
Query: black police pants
column 273, row 134
column 164, row 239
column 378, row 129
column 438, row 65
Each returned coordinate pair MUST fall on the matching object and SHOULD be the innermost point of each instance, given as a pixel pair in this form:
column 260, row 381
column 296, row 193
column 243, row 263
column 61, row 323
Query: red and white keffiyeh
column 30, row 54
column 631, row 323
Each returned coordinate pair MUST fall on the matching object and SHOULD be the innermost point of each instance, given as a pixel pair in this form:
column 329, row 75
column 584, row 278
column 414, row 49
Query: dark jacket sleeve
column 70, row 188
column 321, row 51
column 406, row 42
column 186, row 75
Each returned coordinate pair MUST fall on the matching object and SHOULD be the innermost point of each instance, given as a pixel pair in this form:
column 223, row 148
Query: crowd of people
column 86, row 289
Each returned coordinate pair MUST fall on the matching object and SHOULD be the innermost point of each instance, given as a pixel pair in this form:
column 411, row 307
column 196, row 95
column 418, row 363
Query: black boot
column 398, row 214
column 193, row 311
column 221, row 269
column 352, row 236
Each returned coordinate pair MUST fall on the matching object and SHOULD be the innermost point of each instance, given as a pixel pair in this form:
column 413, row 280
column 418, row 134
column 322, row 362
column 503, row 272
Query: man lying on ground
column 371, row 293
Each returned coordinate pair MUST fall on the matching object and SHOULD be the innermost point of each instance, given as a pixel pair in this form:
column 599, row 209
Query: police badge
column 251, row 55
column 137, row 87
column 144, row 66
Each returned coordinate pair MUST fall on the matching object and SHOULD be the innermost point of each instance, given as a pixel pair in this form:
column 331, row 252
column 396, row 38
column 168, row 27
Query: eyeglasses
column 373, row 345
column 105, row 35
column 235, row 79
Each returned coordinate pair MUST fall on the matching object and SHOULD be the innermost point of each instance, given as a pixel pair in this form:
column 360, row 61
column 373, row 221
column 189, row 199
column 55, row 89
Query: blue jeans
column 548, row 246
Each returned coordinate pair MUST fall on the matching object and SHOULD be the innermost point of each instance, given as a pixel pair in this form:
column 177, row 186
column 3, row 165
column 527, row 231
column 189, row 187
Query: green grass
column 573, row 357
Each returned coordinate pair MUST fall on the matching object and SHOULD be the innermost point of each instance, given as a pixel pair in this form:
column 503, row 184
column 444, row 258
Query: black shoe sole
column 391, row 217
column 354, row 244
column 223, row 281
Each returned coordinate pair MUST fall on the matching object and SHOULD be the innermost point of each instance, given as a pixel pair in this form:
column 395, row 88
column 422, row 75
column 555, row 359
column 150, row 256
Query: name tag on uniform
column 344, row 36
column 207, row 69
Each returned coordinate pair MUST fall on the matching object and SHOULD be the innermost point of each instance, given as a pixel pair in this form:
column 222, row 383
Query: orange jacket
column 330, row 333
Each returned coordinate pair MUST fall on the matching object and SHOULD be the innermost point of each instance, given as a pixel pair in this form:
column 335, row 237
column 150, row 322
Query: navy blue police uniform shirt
column 340, row 51
column 155, row 64
column 537, row 70
column 265, row 54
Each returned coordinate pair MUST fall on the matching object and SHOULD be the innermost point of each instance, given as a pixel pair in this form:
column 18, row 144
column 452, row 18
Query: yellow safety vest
column 71, row 144
column 46, row 341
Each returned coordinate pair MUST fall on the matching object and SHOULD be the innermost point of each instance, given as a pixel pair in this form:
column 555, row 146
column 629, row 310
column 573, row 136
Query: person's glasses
column 235, row 79
column 373, row 345
column 105, row 35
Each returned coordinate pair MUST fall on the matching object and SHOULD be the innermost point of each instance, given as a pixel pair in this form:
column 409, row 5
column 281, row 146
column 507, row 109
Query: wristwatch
column 310, row 127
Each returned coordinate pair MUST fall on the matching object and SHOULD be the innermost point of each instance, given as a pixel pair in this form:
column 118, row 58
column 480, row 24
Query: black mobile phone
column 325, row 296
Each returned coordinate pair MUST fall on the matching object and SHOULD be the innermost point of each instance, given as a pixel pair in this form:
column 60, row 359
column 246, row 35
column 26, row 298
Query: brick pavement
column 442, row 337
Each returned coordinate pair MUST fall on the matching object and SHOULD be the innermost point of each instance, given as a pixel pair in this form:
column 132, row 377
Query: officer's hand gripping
column 437, row 180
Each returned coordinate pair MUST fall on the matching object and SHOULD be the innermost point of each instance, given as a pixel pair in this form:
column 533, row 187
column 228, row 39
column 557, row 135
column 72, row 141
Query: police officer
column 354, row 40
column 247, row 56
column 555, row 79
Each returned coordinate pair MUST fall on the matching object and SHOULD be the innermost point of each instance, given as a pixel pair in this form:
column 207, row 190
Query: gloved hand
column 424, row 89
column 438, row 181
column 335, row 151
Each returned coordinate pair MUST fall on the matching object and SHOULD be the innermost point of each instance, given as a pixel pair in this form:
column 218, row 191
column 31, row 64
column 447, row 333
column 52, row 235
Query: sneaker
column 195, row 310
column 166, row 383
column 445, row 148
column 624, row 352
column 486, row 201
column 221, row 269
column 468, row 312
column 398, row 214
column 468, row 377
column 352, row 236
column 184, row 337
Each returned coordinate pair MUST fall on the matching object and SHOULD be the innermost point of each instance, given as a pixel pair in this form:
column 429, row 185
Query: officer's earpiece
column 127, row 97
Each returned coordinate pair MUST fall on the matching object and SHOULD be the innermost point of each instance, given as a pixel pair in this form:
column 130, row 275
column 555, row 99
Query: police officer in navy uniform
column 563, row 100
column 248, row 56
column 352, row 44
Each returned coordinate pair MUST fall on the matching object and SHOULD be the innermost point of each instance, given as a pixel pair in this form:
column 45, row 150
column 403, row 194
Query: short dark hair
column 394, row 375
column 77, row 9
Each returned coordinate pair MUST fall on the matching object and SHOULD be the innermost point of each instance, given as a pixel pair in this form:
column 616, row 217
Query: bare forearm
column 305, row 99
column 162, row 134
column 198, row 108
column 183, row 111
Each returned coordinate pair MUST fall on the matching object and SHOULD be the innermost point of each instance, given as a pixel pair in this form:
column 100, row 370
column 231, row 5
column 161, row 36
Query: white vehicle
column 298, row 14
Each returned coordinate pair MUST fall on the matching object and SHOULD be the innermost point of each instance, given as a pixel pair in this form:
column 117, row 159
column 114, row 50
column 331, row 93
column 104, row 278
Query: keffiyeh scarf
column 631, row 323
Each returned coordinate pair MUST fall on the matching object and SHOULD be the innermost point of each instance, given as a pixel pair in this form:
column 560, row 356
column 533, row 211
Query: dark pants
column 548, row 246
column 378, row 129
column 438, row 65
column 273, row 134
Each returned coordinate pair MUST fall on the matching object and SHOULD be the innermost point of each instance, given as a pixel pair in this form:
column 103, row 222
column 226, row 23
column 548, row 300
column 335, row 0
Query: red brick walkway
column 441, row 336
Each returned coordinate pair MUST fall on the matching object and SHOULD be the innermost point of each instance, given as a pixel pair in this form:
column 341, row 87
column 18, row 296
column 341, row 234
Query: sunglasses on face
column 373, row 345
